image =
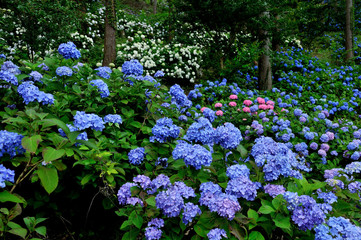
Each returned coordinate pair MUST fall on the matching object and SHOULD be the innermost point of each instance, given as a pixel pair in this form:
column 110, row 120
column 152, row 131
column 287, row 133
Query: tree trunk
column 110, row 33
column 276, row 46
column 349, row 30
column 154, row 6
column 264, row 64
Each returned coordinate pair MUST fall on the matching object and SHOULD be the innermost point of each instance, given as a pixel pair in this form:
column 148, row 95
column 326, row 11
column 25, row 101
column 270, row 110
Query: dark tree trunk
column 264, row 63
column 154, row 6
column 276, row 46
column 348, row 31
column 110, row 33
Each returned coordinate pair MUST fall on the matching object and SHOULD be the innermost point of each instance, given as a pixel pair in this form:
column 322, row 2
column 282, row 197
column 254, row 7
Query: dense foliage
column 121, row 152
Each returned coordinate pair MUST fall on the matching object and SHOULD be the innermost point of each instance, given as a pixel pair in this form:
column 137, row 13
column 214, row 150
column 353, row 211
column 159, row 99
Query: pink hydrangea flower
column 233, row 97
column 263, row 107
column 238, row 110
column 271, row 107
column 272, row 103
column 330, row 135
column 261, row 100
column 219, row 113
column 218, row 105
column 246, row 109
column 282, row 110
column 232, row 104
column 247, row 102
column 202, row 109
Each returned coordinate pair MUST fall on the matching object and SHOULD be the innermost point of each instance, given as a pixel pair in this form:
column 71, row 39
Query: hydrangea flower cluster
column 136, row 156
column 216, row 234
column 10, row 67
column 200, row 131
column 104, row 72
column 64, row 71
column 6, row 175
column 306, row 213
column 153, row 232
column 164, row 130
column 8, row 77
column 337, row 228
column 193, row 155
column 36, row 76
column 228, row 136
column 30, row 93
column 224, row 204
column 68, row 50
column 132, row 67
column 10, row 143
column 113, row 118
column 237, row 170
column 179, row 98
column 243, row 187
column 83, row 121
column 102, row 87
column 209, row 114
column 274, row 190
column 276, row 158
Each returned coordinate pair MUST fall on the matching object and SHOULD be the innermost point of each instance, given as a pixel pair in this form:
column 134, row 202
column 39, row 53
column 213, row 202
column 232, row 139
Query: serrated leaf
column 51, row 154
column 31, row 143
column 48, row 177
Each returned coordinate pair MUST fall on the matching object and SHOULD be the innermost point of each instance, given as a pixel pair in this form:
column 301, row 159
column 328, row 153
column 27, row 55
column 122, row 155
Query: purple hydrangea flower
column 216, row 234
column 274, row 190
column 242, row 187
column 153, row 233
column 337, row 228
column 190, row 211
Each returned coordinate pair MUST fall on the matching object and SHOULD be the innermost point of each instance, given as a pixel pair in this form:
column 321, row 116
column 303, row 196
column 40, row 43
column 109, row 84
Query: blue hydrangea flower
column 143, row 181
column 170, row 202
column 30, row 93
column 209, row 114
column 162, row 162
column 64, row 71
column 178, row 96
column 274, row 190
column 83, row 121
column 228, row 136
column 324, row 138
column 164, row 130
column 236, row 171
column 190, row 211
column 36, row 76
column 201, row 131
column 337, row 228
column 6, row 175
column 193, row 155
column 132, row 67
column 156, row 222
column 160, row 181
column 185, row 191
column 102, row 87
column 354, row 187
column 10, row 143
column 183, row 118
column 159, row 74
column 277, row 159
column 68, row 50
column 216, row 234
column 328, row 197
column 153, row 233
column 124, row 192
column 242, row 187
column 354, row 167
column 136, row 156
column 43, row 67
column 113, row 118
column 104, row 72
column 8, row 77
column 10, row 67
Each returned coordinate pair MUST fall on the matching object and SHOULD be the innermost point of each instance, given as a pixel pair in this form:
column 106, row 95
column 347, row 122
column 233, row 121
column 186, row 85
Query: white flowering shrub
column 175, row 60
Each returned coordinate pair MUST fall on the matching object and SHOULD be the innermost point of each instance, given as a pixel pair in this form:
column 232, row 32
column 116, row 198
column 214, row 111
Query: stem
column 21, row 178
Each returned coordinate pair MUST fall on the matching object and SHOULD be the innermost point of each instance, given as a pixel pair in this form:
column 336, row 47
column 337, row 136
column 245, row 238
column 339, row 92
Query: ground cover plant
column 117, row 152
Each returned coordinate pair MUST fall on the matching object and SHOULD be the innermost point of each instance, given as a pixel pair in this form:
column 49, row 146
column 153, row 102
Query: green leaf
column 125, row 224
column 131, row 235
column 252, row 214
column 266, row 209
column 5, row 196
column 136, row 124
column 29, row 222
column 137, row 221
column 59, row 123
column 243, row 151
column 276, row 202
column 86, row 179
column 200, row 231
column 51, row 154
column 41, row 230
column 282, row 221
column 48, row 177
column 31, row 143
column 255, row 236
column 151, row 201
column 21, row 232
